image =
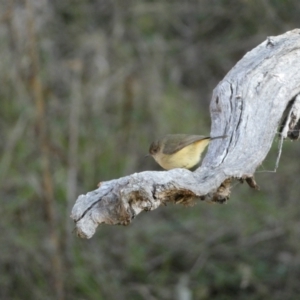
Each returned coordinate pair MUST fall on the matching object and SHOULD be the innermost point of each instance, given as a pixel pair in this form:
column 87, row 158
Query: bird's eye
column 153, row 148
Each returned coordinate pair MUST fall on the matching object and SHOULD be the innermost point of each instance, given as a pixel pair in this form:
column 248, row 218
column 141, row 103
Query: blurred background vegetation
column 85, row 87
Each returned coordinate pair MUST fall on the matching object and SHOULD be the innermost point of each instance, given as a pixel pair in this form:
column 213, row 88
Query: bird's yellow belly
column 187, row 158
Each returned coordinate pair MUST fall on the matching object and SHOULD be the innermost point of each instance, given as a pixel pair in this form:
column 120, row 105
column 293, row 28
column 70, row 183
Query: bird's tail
column 219, row 137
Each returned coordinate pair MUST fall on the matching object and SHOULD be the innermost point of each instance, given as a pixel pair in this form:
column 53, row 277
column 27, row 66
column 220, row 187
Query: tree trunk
column 257, row 99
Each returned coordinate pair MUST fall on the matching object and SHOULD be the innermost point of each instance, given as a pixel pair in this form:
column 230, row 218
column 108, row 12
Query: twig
column 47, row 181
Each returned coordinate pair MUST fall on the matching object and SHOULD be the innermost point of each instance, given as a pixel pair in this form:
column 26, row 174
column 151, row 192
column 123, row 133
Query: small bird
column 180, row 150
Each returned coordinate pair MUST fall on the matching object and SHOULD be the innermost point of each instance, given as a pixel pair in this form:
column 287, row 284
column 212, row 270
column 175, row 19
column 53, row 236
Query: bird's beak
column 147, row 155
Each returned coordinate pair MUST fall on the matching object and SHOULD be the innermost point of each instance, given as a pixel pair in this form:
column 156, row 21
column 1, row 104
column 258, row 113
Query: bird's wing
column 185, row 139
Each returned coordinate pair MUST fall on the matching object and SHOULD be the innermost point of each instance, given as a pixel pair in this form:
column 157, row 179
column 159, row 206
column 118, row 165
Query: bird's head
column 154, row 148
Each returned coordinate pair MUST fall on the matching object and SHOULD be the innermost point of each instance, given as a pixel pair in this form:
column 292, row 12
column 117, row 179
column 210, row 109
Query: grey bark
column 257, row 99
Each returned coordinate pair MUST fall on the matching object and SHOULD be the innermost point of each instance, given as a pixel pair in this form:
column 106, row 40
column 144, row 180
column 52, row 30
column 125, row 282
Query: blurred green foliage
column 114, row 75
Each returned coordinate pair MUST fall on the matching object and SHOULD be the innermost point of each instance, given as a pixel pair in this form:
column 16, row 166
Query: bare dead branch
column 255, row 98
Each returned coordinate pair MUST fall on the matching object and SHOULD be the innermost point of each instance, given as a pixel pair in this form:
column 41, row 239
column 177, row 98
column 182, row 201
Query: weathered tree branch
column 258, row 97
